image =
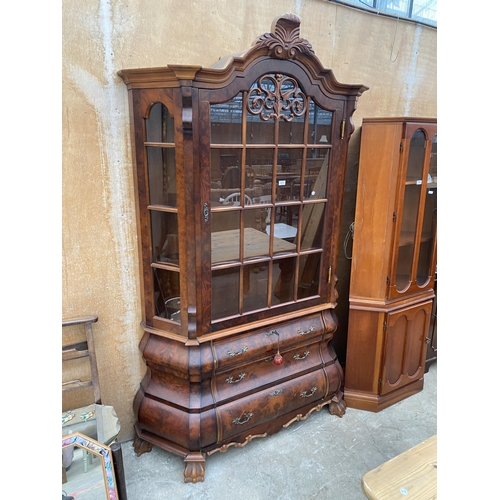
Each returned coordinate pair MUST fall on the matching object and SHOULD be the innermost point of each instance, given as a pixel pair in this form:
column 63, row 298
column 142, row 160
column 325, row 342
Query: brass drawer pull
column 232, row 352
column 304, row 394
column 298, row 356
column 276, row 392
column 230, row 380
column 238, row 420
column 304, row 332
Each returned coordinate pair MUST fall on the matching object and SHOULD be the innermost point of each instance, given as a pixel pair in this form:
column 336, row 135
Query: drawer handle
column 276, row 392
column 298, row 356
column 273, row 332
column 232, row 352
column 304, row 394
column 230, row 380
column 238, row 420
column 304, row 332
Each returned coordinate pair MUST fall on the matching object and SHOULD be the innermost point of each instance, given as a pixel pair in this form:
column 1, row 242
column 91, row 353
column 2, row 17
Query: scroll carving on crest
column 276, row 96
column 285, row 42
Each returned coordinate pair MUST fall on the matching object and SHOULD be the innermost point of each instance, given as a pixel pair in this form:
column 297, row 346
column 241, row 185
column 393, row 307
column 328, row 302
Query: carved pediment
column 284, row 42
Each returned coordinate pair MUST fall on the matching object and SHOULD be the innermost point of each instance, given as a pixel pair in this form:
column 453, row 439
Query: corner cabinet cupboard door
column 405, row 346
column 415, row 215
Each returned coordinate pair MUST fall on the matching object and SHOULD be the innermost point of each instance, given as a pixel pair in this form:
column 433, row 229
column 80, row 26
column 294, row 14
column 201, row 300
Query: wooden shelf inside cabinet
column 393, row 262
column 238, row 212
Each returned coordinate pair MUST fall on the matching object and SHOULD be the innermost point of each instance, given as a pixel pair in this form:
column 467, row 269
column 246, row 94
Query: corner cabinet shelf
column 239, row 175
column 393, row 262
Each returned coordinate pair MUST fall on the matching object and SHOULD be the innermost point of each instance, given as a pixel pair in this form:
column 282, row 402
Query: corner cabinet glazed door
column 405, row 347
column 270, row 158
column 416, row 215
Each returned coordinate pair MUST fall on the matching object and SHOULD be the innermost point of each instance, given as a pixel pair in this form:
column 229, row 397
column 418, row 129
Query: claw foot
column 141, row 446
column 337, row 408
column 194, row 469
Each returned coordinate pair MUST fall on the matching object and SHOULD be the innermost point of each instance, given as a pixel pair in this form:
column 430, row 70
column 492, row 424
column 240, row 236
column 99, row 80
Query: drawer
column 264, row 342
column 250, row 376
column 240, row 416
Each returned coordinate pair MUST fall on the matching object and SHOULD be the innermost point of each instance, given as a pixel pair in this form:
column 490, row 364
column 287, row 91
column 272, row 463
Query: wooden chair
column 86, row 349
column 235, row 199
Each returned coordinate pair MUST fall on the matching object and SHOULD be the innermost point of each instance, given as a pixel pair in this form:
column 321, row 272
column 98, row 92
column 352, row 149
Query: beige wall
column 396, row 59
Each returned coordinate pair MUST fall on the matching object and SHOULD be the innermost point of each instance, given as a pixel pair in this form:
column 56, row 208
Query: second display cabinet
column 239, row 172
column 393, row 262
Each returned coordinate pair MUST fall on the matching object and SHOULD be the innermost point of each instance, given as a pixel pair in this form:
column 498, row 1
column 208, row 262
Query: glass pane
column 225, row 170
column 225, row 119
column 256, row 241
column 291, row 132
column 309, row 266
column 425, row 255
column 413, row 187
column 255, row 278
column 275, row 97
column 312, row 226
column 225, row 242
column 427, row 239
column 316, row 176
column 416, row 157
column 225, row 292
column 283, row 280
column 167, row 294
column 159, row 125
column 320, row 126
column 164, row 233
column 162, row 179
column 433, row 163
column 288, row 178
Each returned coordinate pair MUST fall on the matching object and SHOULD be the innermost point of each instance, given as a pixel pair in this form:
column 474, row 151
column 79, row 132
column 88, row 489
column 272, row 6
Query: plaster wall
column 100, row 268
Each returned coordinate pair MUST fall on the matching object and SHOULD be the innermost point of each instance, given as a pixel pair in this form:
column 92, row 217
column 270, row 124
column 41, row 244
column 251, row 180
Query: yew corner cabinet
column 393, row 262
column 239, row 175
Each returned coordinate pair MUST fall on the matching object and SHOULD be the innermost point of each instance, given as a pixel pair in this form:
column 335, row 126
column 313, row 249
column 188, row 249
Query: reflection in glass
column 225, row 292
column 429, row 222
column 316, row 175
column 107, row 488
column 255, row 279
column 160, row 125
column 413, row 188
column 164, row 233
column 312, row 226
column 309, row 266
column 226, row 121
column 283, row 280
column 167, row 294
column 225, row 169
column 319, row 126
column 162, row 179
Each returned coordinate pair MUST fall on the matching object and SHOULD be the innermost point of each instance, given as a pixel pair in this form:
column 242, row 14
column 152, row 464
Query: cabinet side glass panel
column 162, row 184
column 412, row 192
column 167, row 294
column 161, row 157
column 165, row 237
column 425, row 256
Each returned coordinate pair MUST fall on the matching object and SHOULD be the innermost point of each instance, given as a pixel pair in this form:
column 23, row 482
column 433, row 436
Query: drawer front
column 260, row 343
column 249, row 377
column 261, row 407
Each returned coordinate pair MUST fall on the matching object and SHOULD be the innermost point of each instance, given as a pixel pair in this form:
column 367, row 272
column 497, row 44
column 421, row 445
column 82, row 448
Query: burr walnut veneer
column 239, row 172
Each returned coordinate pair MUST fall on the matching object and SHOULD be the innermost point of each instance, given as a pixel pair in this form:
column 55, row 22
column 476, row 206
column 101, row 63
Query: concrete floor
column 323, row 457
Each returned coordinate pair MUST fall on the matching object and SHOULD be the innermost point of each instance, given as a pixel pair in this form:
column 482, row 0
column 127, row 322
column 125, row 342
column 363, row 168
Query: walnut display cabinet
column 239, row 172
column 393, row 262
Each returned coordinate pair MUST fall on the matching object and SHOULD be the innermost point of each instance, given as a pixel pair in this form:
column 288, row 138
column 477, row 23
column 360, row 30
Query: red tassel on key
column 278, row 359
